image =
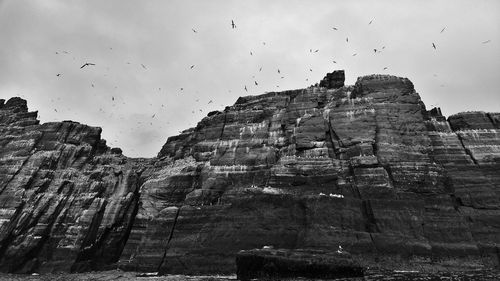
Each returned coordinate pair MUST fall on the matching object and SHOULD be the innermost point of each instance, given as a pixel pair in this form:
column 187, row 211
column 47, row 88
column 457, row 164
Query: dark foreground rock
column 367, row 167
column 281, row 263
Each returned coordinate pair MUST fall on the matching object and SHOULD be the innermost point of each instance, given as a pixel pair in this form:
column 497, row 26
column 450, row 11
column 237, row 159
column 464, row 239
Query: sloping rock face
column 366, row 167
column 66, row 202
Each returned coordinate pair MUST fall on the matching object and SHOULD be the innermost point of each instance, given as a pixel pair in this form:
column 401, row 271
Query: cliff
column 364, row 166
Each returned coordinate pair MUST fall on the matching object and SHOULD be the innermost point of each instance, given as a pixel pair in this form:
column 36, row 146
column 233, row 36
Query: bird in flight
column 310, row 70
column 232, row 24
column 55, row 110
column 354, row 54
column 92, row 84
column 487, row 41
column 347, row 39
column 194, row 30
column 143, row 66
column 370, row 22
column 260, row 69
column 316, row 51
column 385, row 68
column 251, row 53
column 442, row 29
column 153, row 115
column 434, row 46
column 334, row 62
column 182, row 89
column 86, row 64
column 192, row 66
column 246, row 88
column 375, row 50
column 256, row 84
column 209, row 102
column 112, row 98
column 58, row 74
column 279, row 70
column 334, row 28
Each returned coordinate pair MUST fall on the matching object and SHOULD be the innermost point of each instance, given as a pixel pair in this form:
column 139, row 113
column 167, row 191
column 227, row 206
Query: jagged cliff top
column 333, row 81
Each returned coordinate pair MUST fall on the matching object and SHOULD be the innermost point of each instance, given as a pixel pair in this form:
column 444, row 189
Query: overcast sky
column 143, row 52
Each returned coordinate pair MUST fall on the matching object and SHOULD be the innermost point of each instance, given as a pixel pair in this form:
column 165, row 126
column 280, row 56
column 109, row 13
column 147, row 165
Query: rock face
column 66, row 202
column 364, row 166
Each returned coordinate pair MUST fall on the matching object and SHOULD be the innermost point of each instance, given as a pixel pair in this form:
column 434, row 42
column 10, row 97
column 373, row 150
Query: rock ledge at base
column 284, row 263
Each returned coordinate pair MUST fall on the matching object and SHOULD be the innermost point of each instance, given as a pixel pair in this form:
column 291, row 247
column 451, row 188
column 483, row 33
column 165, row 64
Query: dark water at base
column 116, row 275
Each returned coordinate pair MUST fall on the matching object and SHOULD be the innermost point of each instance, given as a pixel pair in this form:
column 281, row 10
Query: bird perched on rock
column 246, row 88
column 340, row 250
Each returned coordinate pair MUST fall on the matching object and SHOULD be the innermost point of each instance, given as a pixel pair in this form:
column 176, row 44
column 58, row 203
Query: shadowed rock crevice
column 467, row 150
column 170, row 236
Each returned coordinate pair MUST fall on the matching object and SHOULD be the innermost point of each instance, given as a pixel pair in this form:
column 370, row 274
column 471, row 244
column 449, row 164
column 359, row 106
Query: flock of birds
column 255, row 82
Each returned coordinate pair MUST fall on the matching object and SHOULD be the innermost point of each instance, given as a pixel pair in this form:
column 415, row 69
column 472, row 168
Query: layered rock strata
column 366, row 167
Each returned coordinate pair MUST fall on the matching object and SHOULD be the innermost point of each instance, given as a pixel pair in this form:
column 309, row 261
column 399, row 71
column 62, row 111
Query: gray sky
column 118, row 36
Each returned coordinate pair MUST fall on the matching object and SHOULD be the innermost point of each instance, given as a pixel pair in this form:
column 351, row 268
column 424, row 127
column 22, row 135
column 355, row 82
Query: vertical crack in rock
column 369, row 217
column 223, row 126
column 333, row 137
column 467, row 151
column 169, row 239
column 495, row 123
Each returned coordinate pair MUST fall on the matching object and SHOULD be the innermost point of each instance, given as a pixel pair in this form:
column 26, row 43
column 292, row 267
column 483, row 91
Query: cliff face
column 364, row 166
column 66, row 202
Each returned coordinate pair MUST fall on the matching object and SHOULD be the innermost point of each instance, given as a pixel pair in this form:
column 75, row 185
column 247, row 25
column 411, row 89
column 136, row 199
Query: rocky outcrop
column 364, row 166
column 276, row 264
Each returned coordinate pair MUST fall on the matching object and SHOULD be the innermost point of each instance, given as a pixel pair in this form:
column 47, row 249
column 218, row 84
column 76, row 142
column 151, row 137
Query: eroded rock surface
column 364, row 166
